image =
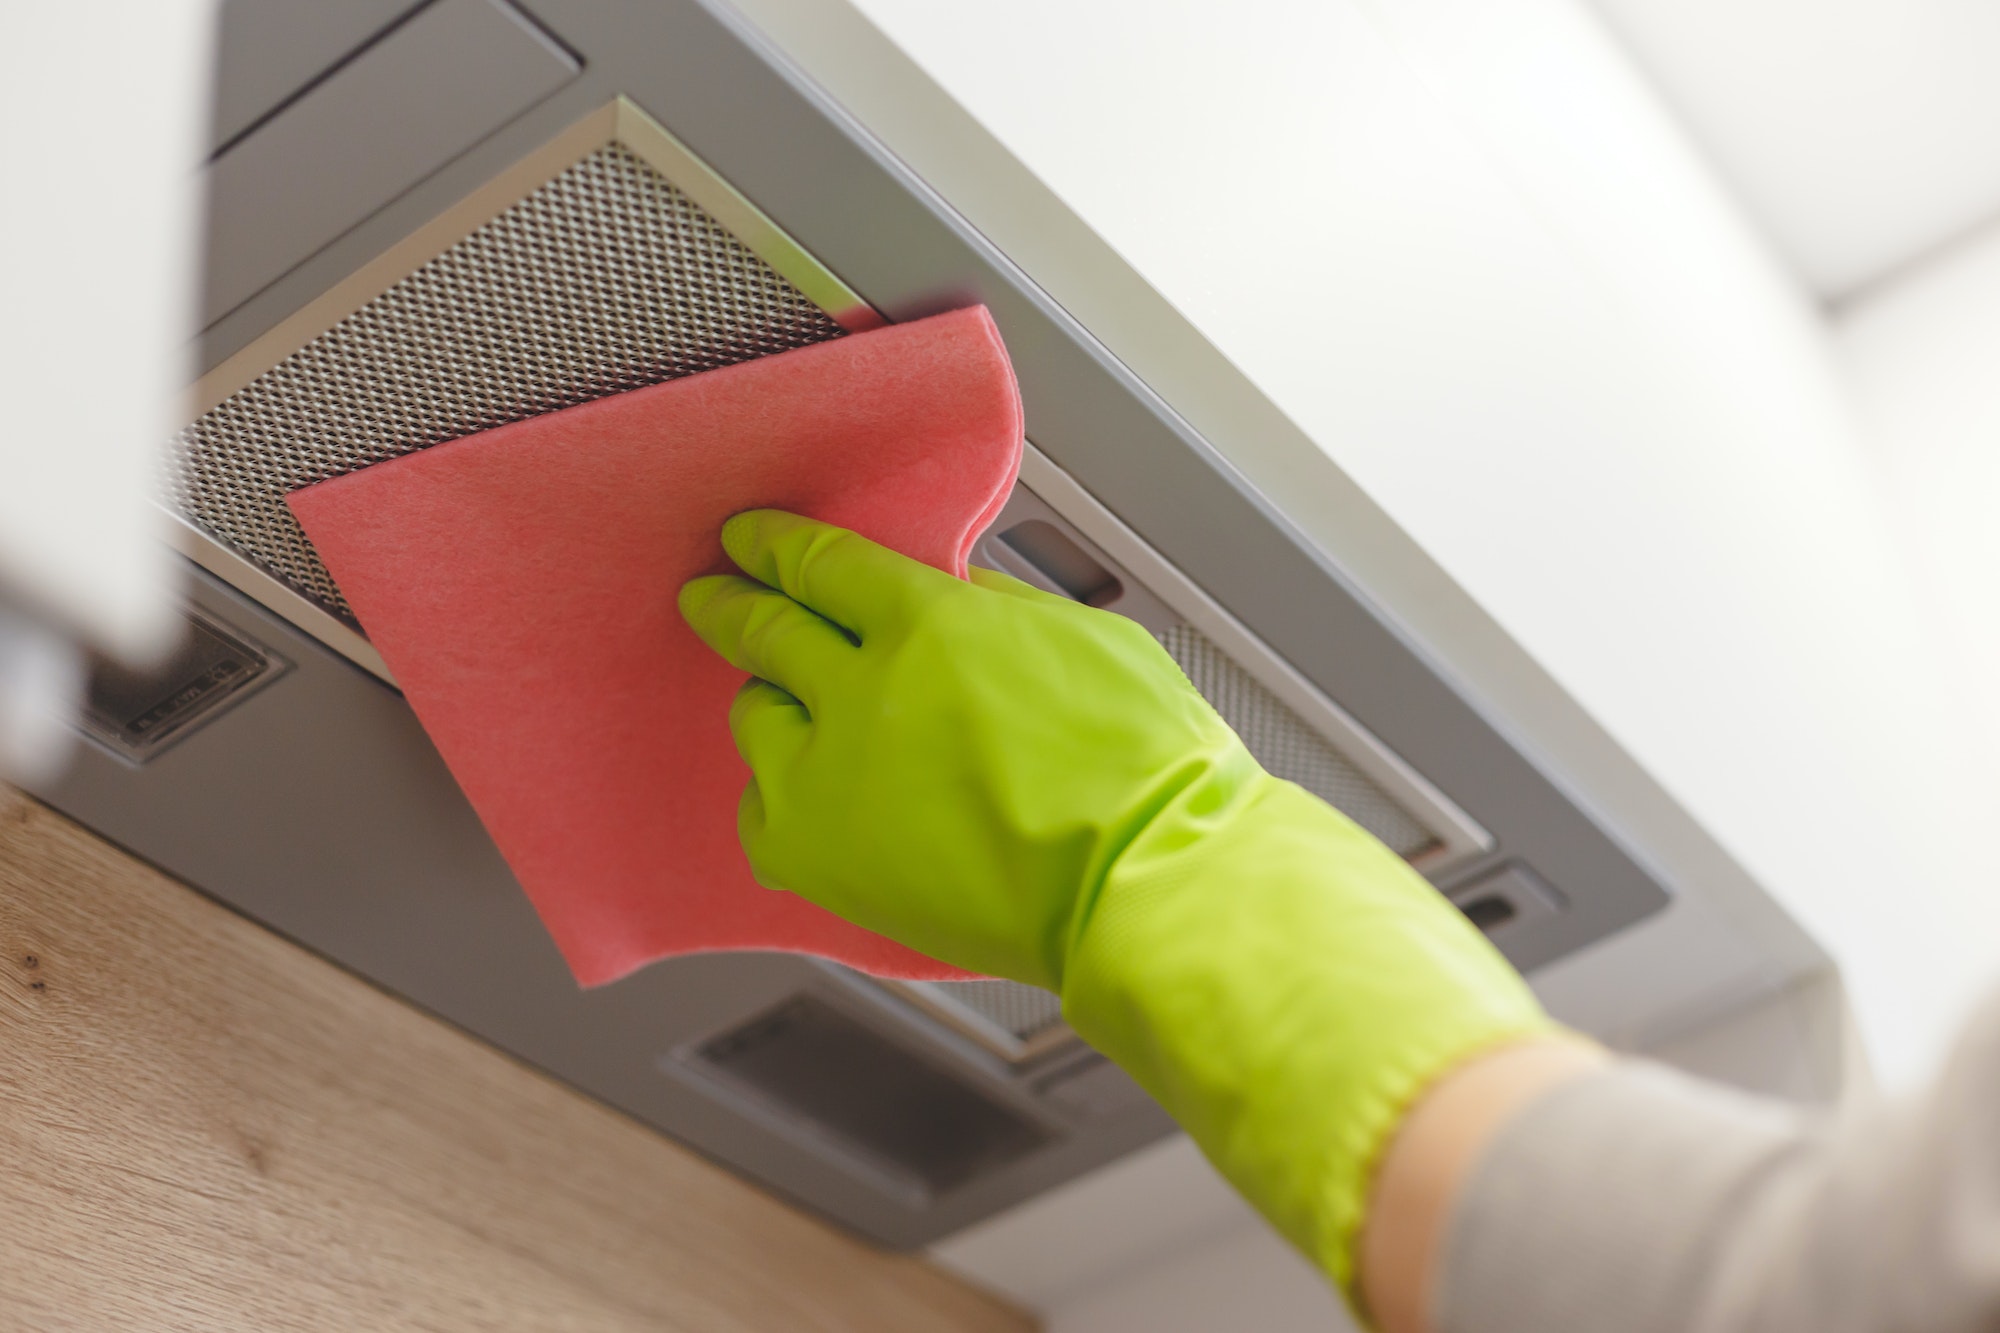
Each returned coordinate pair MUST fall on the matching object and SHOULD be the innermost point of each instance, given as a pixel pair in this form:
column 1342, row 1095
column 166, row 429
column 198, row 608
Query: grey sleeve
column 1640, row 1200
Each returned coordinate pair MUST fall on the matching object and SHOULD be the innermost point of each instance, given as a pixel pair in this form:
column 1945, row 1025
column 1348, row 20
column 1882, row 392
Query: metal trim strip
column 1460, row 837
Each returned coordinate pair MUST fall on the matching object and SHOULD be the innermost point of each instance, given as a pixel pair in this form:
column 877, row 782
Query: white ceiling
column 1860, row 134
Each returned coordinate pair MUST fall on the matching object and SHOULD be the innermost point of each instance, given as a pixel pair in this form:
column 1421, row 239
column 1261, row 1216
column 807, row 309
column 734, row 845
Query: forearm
column 1637, row 1199
column 1434, row 1153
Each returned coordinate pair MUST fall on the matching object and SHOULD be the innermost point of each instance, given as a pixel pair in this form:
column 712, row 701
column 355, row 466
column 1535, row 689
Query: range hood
column 456, row 214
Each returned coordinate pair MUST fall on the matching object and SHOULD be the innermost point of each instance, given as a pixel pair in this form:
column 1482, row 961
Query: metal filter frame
column 621, row 123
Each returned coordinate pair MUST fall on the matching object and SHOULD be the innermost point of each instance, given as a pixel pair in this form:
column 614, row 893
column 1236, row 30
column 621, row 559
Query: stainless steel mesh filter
column 605, row 279
column 1287, row 747
column 1024, row 1011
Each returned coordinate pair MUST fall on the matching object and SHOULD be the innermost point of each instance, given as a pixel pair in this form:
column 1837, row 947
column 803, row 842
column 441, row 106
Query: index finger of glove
column 842, row 575
column 765, row 633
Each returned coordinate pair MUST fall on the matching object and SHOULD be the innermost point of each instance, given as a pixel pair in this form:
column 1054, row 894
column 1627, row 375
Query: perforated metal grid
column 1024, row 1011
column 605, row 279
column 1287, row 747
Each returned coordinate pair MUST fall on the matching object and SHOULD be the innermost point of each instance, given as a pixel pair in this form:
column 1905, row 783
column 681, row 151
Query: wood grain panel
column 203, row 1127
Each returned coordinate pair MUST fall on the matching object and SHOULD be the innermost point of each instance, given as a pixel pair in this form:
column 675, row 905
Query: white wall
column 1922, row 356
column 1860, row 134
column 1155, row 1242
column 1247, row 1279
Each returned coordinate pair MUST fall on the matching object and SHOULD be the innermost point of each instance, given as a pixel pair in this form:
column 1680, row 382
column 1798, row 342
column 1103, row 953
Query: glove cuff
column 1286, row 987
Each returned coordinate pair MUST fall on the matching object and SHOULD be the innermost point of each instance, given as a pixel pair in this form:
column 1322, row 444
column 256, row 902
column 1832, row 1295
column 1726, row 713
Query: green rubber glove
column 1030, row 788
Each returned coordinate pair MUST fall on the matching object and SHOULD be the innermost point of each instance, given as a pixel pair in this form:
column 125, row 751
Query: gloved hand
column 956, row 765
column 1030, row 788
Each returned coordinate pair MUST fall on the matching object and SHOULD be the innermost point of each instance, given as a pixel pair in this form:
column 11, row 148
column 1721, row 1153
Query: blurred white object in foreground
column 103, row 108
column 41, row 682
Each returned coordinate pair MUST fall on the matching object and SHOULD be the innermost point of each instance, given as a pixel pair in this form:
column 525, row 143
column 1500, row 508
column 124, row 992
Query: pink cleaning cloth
column 521, row 585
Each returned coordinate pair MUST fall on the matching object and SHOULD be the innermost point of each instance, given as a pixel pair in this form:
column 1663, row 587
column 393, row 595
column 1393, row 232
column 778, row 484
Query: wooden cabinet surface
column 205, row 1127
